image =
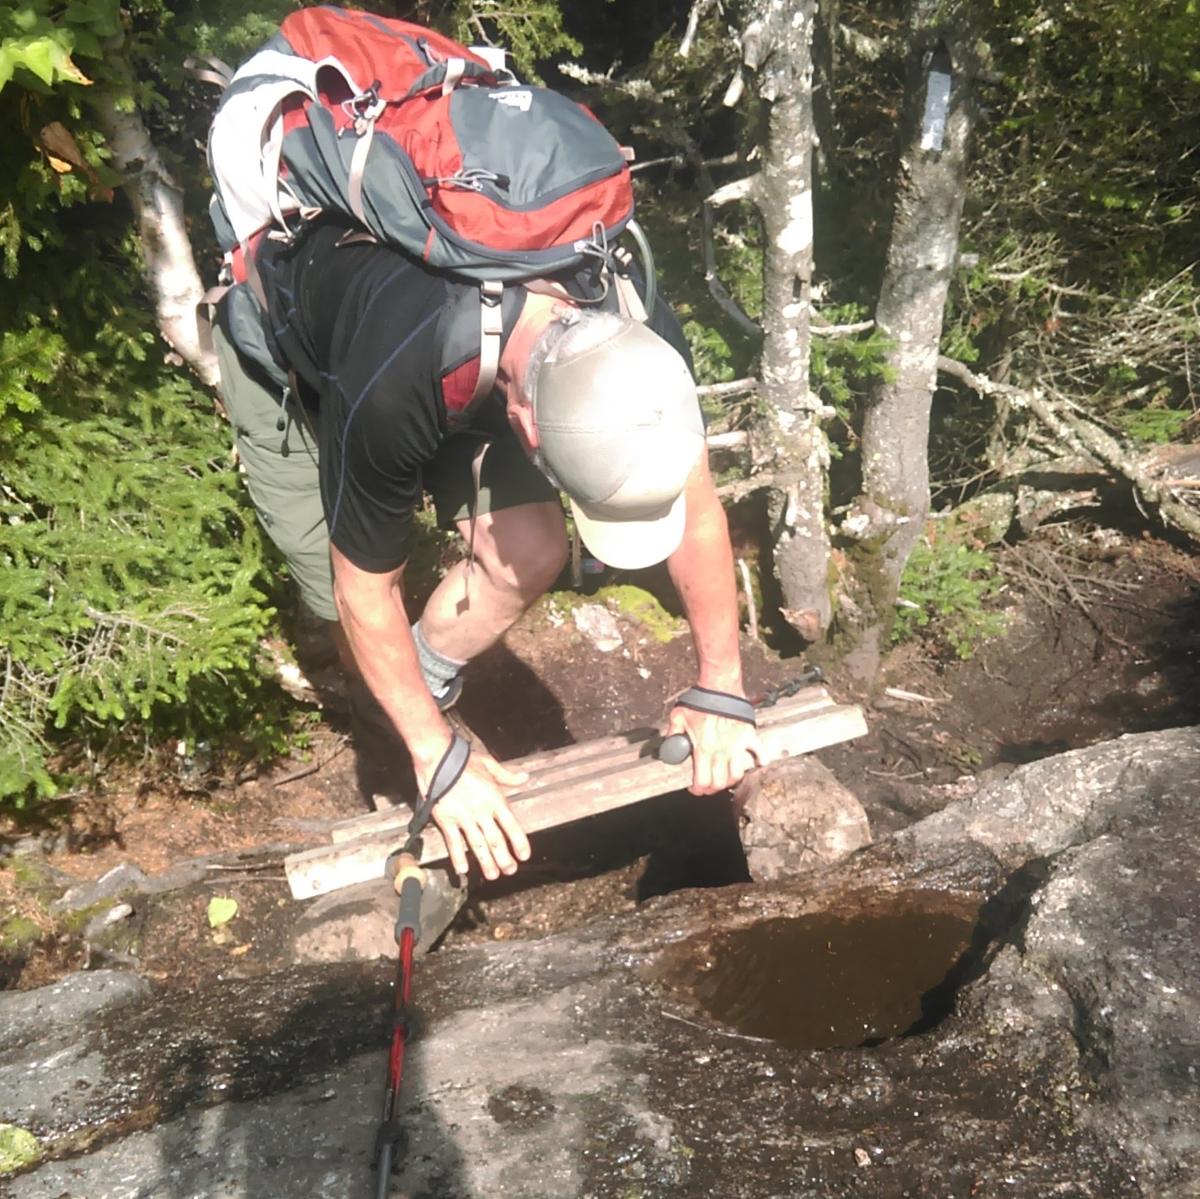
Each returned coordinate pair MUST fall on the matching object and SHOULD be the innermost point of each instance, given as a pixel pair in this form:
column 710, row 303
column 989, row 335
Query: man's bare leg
column 519, row 552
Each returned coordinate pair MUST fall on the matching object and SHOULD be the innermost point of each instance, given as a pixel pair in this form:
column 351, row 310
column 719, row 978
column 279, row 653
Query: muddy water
column 823, row 982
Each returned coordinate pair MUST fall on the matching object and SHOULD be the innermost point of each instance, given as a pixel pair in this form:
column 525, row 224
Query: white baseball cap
column 620, row 431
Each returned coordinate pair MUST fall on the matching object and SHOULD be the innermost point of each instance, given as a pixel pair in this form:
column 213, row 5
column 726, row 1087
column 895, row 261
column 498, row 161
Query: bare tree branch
column 821, row 328
column 734, row 387
column 1076, row 431
column 724, row 160
column 728, row 441
column 157, row 202
column 699, row 9
column 730, row 193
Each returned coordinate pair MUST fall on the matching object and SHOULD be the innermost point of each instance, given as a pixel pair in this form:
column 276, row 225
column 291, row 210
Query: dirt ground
column 1103, row 639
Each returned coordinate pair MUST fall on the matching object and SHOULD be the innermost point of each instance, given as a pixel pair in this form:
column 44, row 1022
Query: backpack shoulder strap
column 491, row 335
column 246, row 137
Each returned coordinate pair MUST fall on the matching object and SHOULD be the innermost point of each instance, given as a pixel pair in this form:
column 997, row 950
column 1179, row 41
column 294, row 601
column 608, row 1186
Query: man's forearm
column 702, row 570
column 371, row 609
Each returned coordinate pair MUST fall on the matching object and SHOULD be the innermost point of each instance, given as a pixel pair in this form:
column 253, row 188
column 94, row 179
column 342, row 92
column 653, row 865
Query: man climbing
column 595, row 403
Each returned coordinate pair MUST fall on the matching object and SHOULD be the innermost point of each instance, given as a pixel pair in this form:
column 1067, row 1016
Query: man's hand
column 475, row 814
column 723, row 750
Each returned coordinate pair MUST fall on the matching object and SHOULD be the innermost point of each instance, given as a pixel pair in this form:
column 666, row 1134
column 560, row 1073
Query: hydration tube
column 647, row 256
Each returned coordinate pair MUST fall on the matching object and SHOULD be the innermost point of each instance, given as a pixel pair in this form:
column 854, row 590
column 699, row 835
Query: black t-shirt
column 364, row 328
column 358, row 324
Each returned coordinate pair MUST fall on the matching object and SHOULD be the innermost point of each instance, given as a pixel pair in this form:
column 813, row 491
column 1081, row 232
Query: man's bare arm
column 702, row 571
column 474, row 812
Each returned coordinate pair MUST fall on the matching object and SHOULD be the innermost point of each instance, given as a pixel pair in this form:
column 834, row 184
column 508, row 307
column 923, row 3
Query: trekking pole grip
column 408, row 880
column 675, row 749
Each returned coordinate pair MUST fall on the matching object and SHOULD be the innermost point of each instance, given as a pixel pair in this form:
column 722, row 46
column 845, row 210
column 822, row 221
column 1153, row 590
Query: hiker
column 487, row 344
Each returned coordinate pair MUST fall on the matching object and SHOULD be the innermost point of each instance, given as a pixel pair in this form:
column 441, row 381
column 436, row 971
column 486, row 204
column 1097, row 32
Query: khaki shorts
column 280, row 467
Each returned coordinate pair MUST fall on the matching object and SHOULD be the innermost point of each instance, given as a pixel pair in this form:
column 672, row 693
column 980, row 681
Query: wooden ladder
column 565, row 785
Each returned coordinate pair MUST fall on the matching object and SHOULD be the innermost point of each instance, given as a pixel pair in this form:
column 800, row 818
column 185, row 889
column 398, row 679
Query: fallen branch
column 1077, row 432
column 1039, row 572
column 312, row 767
column 910, row 696
column 732, row 388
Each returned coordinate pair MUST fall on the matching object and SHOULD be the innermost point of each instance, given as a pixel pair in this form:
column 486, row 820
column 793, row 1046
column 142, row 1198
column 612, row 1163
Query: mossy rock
column 642, row 607
column 34, row 876
column 17, row 932
column 77, row 919
column 18, row 1148
column 622, row 599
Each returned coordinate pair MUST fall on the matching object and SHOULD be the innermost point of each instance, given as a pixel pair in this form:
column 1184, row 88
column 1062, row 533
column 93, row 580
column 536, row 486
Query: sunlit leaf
column 18, row 1148
column 221, row 910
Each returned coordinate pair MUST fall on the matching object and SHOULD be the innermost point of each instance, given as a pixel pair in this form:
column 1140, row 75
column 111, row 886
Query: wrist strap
column 717, row 703
column 449, row 771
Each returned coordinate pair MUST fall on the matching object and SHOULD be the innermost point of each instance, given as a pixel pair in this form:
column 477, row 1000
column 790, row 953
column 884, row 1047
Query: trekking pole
column 408, row 879
column 677, row 747
column 409, row 882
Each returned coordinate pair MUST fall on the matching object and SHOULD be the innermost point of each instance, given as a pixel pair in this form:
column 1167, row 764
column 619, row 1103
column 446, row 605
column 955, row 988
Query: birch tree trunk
column 886, row 521
column 157, row 201
column 790, row 441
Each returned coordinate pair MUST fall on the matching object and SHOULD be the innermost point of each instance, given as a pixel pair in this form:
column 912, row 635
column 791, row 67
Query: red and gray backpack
column 429, row 149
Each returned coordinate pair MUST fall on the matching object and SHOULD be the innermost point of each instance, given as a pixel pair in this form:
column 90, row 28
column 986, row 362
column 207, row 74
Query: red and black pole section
column 408, row 879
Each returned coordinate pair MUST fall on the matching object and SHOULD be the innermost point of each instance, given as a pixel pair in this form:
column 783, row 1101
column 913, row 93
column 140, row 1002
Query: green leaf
column 47, row 57
column 18, row 1148
column 83, row 12
column 87, row 44
column 221, row 910
column 101, row 16
column 41, row 57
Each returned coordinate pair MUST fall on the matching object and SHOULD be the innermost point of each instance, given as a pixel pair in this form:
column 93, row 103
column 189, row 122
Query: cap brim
column 632, row 544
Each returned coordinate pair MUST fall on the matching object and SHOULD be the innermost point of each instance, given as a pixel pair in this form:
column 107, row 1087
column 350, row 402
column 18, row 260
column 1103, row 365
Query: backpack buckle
column 365, row 108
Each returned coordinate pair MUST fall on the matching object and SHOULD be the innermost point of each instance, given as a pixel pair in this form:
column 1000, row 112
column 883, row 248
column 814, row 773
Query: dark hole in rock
column 822, row 981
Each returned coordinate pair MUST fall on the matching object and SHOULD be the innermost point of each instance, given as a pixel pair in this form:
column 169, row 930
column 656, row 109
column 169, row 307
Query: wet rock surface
column 357, row 923
column 1057, row 1056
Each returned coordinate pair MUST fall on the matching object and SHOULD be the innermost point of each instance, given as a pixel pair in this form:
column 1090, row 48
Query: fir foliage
column 131, row 590
column 530, row 30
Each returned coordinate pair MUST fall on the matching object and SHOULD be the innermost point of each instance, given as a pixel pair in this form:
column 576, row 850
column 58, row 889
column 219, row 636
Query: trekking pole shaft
column 406, row 933
column 383, row 1176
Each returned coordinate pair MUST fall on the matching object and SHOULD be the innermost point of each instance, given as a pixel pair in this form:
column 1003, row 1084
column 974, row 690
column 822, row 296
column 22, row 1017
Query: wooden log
column 628, row 778
column 577, row 762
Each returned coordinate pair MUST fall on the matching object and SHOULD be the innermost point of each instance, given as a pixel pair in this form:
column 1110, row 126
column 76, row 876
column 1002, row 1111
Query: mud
column 1067, row 674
